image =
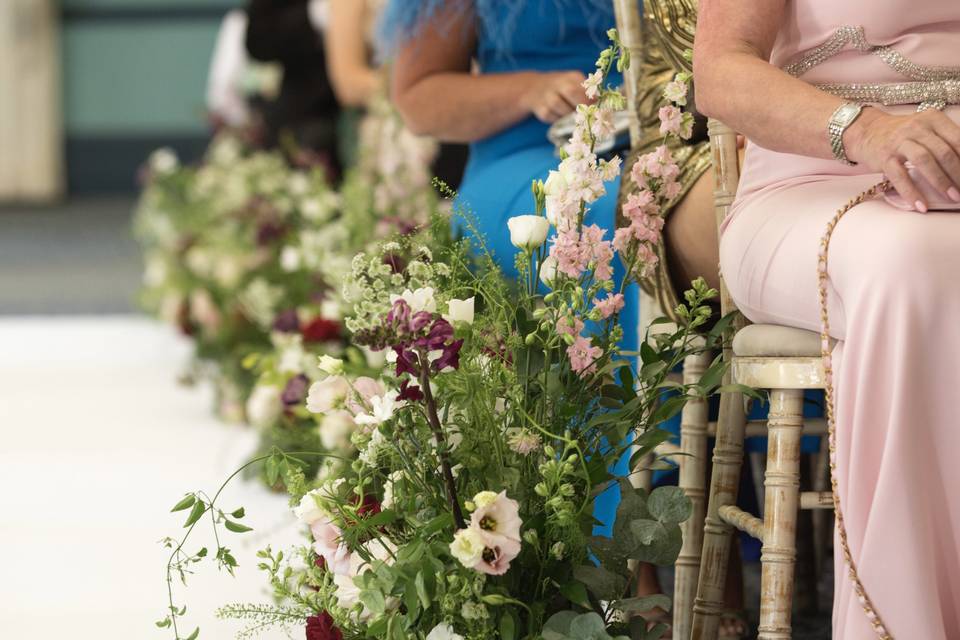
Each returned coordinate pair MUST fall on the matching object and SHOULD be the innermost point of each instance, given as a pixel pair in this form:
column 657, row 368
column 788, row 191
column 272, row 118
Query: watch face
column 847, row 113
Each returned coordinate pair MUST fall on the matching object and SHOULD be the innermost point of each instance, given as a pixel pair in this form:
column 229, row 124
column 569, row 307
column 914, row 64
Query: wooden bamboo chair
column 786, row 361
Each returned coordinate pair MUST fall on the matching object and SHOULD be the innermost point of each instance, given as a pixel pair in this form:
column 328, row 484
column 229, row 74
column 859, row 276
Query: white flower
column 290, row 259
column 548, row 271
column 298, row 183
column 528, row 232
column 264, row 405
column 419, row 300
column 163, row 161
column 335, row 430
column 372, row 449
column 331, row 366
column 382, row 408
column 676, row 92
column 388, row 489
column 327, row 394
column 485, row 499
column 307, row 511
column 592, row 84
column 468, row 546
column 292, row 355
column 460, row 311
column 443, row 631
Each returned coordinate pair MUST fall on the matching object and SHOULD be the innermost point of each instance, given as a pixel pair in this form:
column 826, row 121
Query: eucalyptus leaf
column 604, row 584
column 669, row 505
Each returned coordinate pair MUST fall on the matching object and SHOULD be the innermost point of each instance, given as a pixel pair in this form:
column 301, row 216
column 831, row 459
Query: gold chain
column 872, row 615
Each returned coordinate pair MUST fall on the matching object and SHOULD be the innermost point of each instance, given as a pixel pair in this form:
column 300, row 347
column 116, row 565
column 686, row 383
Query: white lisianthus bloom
column 331, row 366
column 528, row 232
column 264, row 405
column 419, row 300
column 381, row 409
column 548, row 271
column 468, row 546
column 443, row 631
column 307, row 511
column 460, row 311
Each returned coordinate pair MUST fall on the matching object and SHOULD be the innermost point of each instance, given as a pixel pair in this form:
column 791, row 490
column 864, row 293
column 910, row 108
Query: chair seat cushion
column 775, row 341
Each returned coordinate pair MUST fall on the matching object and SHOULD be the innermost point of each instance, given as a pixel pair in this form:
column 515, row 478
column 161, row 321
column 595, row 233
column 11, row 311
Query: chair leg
column 782, row 504
column 693, row 481
column 717, row 535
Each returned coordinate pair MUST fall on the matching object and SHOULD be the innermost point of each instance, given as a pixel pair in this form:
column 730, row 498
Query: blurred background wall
column 89, row 87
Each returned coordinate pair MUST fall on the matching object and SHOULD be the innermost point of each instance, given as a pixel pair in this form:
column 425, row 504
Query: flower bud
column 550, row 451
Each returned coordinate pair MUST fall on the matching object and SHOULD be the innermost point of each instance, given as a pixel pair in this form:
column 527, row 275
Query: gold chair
column 785, row 361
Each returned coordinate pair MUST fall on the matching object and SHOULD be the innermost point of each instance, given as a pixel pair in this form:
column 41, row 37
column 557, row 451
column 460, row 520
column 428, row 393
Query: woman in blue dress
column 495, row 74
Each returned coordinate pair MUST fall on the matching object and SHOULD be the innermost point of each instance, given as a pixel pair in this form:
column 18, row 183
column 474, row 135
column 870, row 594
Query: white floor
column 97, row 442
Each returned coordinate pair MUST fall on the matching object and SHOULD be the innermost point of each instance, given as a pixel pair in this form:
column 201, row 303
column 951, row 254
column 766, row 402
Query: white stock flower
column 443, row 631
column 676, row 92
column 331, row 366
column 264, row 405
column 371, row 451
column 528, row 232
column 592, row 84
column 290, row 259
column 460, row 311
column 468, row 546
column 388, row 489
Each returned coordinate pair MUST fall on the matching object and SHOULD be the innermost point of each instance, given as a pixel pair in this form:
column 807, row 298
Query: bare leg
column 691, row 237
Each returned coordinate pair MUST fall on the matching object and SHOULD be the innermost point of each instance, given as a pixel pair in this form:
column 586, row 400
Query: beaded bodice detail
column 932, row 87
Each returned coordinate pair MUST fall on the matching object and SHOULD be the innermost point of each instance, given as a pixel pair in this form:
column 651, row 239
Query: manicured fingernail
column 921, row 207
column 954, row 194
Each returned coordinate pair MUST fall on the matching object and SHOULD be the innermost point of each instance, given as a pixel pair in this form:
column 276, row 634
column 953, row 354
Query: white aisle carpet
column 97, row 442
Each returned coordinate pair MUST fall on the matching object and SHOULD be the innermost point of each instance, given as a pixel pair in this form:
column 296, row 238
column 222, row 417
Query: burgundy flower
column 296, row 391
column 287, row 321
column 406, row 361
column 321, row 330
column 268, row 233
column 450, row 357
column 370, row 506
column 410, row 392
column 321, row 627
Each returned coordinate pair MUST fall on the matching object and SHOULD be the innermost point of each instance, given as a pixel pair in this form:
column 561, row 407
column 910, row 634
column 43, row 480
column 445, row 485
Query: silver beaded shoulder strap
column 872, row 614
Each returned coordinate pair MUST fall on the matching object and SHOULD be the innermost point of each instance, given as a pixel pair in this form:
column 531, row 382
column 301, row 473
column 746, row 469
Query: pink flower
column 598, row 251
column 609, row 305
column 329, row 546
column 571, row 326
column 497, row 556
column 671, row 120
column 583, row 356
column 566, row 249
column 497, row 519
column 610, row 169
column 671, row 189
column 327, row 394
column 364, row 389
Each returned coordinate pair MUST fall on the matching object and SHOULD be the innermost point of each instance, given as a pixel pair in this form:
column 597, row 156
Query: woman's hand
column 930, row 141
column 553, row 95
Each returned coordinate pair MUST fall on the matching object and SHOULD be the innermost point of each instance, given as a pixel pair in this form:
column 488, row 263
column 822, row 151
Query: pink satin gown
column 895, row 307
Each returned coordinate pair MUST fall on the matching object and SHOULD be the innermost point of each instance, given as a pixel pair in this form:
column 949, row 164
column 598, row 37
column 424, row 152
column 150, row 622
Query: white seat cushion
column 775, row 341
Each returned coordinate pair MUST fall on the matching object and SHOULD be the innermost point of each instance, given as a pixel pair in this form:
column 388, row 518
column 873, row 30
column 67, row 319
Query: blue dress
column 532, row 35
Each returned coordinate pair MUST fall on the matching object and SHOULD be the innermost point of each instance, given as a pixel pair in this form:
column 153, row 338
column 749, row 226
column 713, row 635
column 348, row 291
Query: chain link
column 872, row 614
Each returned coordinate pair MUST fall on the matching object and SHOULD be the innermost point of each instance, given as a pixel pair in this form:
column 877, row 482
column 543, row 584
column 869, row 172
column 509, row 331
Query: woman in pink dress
column 792, row 76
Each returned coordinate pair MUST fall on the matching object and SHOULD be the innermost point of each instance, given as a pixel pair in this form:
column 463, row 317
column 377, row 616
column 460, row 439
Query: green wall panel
column 136, row 77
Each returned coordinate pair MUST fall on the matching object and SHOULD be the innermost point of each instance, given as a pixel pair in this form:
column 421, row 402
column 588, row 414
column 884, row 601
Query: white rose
column 548, row 271
column 443, row 631
column 331, row 366
column 528, row 232
column 460, row 311
column 264, row 405
column 468, row 546
column 307, row 511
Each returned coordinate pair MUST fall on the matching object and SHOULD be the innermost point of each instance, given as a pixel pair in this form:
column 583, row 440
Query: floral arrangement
column 457, row 497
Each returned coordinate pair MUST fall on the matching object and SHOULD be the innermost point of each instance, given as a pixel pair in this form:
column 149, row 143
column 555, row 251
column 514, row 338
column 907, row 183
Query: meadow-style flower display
column 458, row 502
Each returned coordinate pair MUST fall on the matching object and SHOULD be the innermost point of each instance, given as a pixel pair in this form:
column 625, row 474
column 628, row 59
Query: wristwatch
column 840, row 121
